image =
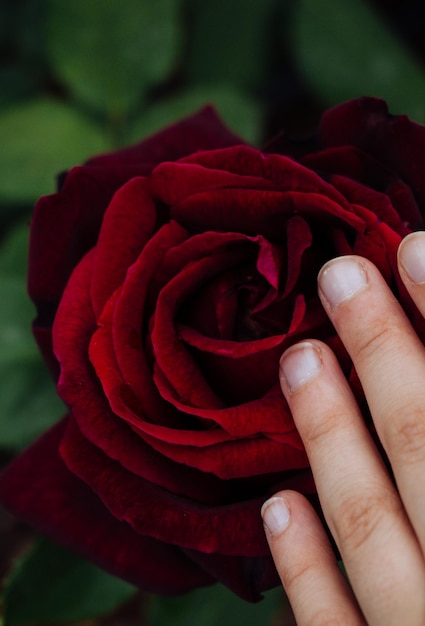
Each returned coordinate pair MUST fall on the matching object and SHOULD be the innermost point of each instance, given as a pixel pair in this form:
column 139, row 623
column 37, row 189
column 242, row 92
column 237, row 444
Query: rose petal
column 128, row 225
column 394, row 140
column 202, row 131
column 234, row 528
column 376, row 202
column 258, row 212
column 79, row 386
column 38, row 488
column 173, row 182
column 239, row 458
column 66, row 225
column 124, row 324
column 299, row 238
column 267, row 414
column 283, row 172
column 241, row 349
column 171, row 356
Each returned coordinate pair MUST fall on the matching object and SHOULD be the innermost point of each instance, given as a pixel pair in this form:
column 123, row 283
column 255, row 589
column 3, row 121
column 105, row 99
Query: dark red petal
column 242, row 380
column 173, row 182
column 357, row 165
column 172, row 358
column 121, row 443
column 348, row 161
column 38, row 488
column 124, row 403
column 74, row 327
column 259, row 212
column 268, row 414
column 239, row 458
column 403, row 200
column 240, row 349
column 72, row 330
column 234, row 528
column 89, row 404
column 193, row 248
column 165, row 424
column 122, row 325
column 241, row 160
column 299, row 239
column 202, row 131
column 379, row 243
column 243, row 458
column 66, row 225
column 116, row 351
column 283, row 172
column 375, row 201
column 395, row 141
column 128, row 224
column 276, row 171
column 269, row 262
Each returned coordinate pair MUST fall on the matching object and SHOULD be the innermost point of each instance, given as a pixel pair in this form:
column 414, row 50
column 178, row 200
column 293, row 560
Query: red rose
column 169, row 278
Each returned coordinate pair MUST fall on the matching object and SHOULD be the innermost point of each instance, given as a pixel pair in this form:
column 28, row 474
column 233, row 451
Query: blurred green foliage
column 86, row 76
column 51, row 584
column 212, row 606
column 28, row 402
column 345, row 50
column 42, row 136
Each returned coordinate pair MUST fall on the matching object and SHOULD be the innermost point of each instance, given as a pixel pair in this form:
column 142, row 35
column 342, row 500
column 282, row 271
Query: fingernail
column 411, row 255
column 300, row 364
column 340, row 280
column 275, row 514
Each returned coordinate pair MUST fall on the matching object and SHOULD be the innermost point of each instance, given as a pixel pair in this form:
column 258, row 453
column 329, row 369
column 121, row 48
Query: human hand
column 379, row 529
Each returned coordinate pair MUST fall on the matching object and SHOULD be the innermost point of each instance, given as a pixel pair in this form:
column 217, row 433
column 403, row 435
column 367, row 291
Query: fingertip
column 340, row 279
column 298, row 365
column 306, row 563
column 411, row 257
column 276, row 515
column 411, row 265
column 283, row 508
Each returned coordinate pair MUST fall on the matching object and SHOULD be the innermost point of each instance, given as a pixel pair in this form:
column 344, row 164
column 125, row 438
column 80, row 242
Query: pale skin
column 379, row 527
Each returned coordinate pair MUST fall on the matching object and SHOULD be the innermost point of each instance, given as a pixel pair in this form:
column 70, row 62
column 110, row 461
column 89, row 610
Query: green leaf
column 28, row 400
column 51, row 584
column 16, row 310
column 39, row 139
column 29, row 404
column 346, row 50
column 241, row 113
column 16, row 313
column 108, row 53
column 230, row 42
column 16, row 83
column 214, row 605
column 13, row 251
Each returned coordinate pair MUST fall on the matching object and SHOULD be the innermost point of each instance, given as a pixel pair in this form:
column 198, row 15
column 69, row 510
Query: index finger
column 390, row 361
column 411, row 264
